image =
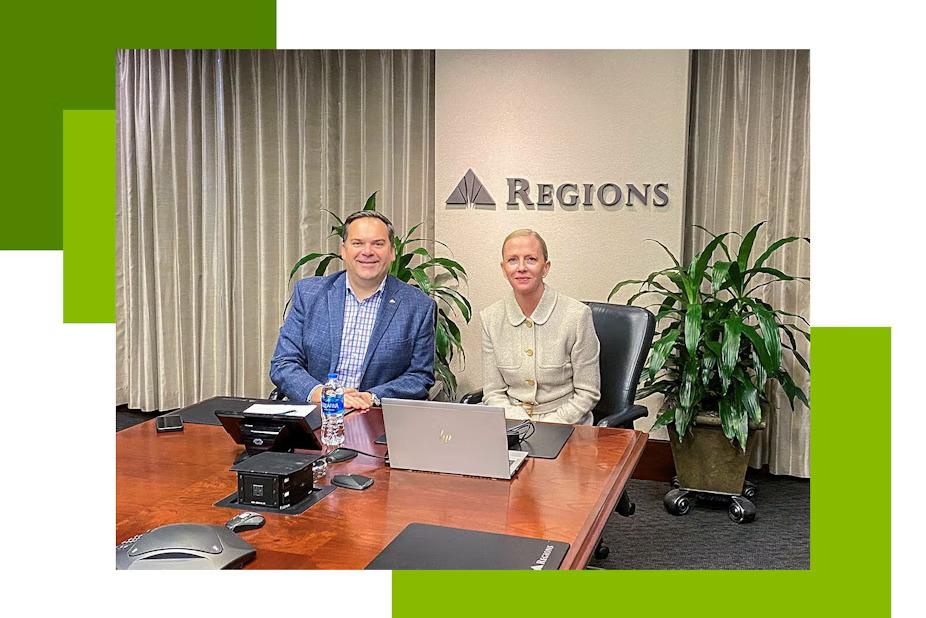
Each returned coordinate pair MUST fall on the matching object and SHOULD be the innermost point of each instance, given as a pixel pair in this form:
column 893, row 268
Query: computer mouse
column 340, row 454
column 352, row 481
column 242, row 522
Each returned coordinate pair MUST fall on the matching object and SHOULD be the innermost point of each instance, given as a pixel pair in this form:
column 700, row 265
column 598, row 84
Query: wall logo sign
column 470, row 192
column 569, row 196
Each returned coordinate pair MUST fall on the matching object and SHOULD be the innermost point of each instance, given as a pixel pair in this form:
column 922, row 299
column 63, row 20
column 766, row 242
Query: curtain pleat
column 749, row 157
column 225, row 161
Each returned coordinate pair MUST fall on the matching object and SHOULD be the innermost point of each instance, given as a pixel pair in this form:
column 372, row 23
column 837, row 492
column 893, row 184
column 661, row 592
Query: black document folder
column 547, row 440
column 427, row 547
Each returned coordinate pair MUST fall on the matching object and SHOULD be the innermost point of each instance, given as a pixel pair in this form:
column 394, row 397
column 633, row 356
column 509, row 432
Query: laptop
column 456, row 438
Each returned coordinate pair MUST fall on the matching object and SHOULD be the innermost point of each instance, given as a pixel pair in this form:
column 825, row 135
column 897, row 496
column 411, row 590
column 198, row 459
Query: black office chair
column 625, row 334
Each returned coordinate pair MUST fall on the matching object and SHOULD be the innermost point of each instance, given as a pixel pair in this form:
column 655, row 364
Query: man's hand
column 353, row 399
column 357, row 400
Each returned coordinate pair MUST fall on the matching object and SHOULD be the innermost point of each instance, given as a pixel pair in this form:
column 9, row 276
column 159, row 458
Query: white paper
column 286, row 410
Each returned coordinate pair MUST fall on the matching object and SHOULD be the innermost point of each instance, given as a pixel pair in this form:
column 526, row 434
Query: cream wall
column 556, row 117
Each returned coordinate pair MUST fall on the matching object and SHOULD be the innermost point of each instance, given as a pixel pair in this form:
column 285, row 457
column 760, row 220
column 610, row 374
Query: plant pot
column 705, row 460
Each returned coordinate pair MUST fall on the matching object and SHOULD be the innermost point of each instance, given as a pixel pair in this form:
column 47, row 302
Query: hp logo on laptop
column 445, row 437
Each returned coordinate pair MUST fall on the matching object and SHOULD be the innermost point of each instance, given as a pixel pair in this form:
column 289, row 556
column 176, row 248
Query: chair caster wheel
column 676, row 502
column 602, row 551
column 675, row 484
column 749, row 490
column 742, row 510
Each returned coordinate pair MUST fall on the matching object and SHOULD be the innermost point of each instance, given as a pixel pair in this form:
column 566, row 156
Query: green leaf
column 685, row 286
column 758, row 345
column 714, row 348
column 742, row 257
column 734, row 279
column 692, row 328
column 452, row 326
column 758, row 367
column 779, row 276
column 461, row 301
column 733, row 420
column 719, row 274
column 442, row 342
column 713, row 235
column 660, row 386
column 660, row 350
column 452, row 333
column 422, row 252
column 726, row 418
column 746, row 392
column 405, row 259
column 671, row 255
column 667, row 308
column 661, row 290
column 303, row 260
column 336, row 230
column 421, row 278
column 792, row 315
column 791, row 390
column 701, row 264
column 800, row 359
column 740, row 425
column 449, row 265
column 683, row 418
column 687, row 394
column 410, row 232
column 323, row 265
column 774, row 247
column 732, row 327
column 664, row 418
column 792, row 345
column 708, row 363
column 622, row 284
column 371, row 202
column 443, row 373
column 769, row 329
column 437, row 242
column 795, row 327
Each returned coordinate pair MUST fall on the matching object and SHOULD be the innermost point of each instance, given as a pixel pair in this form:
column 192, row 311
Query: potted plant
column 716, row 360
column 432, row 276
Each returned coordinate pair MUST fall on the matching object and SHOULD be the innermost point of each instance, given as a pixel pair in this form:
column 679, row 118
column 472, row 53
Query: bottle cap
column 332, row 376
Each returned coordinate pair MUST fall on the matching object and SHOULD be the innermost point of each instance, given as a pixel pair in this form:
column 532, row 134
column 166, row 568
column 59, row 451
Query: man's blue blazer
column 400, row 355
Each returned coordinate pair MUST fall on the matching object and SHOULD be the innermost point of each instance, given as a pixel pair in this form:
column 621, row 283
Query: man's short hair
column 361, row 214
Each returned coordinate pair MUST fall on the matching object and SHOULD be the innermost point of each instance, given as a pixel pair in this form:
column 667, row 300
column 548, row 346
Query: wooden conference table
column 177, row 477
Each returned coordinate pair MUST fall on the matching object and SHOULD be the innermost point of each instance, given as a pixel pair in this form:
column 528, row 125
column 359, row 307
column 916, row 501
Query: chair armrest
column 474, row 397
column 275, row 395
column 624, row 418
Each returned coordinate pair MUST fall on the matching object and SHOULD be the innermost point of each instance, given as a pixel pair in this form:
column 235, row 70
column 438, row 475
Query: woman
column 539, row 348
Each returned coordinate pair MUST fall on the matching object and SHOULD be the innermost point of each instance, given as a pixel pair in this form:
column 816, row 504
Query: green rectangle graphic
column 89, row 233
column 850, row 568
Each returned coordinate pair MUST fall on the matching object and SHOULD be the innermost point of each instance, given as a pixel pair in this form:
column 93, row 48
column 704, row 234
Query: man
column 374, row 331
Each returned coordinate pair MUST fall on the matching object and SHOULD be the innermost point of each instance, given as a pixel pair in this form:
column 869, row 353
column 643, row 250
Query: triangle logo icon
column 470, row 192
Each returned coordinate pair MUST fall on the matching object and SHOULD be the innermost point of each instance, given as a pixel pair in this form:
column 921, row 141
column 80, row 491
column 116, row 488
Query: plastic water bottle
column 332, row 412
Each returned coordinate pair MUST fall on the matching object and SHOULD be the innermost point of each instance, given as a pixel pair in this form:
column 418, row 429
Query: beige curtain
column 225, row 160
column 749, row 161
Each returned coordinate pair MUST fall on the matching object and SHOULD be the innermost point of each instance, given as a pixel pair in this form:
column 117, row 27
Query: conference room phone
column 184, row 547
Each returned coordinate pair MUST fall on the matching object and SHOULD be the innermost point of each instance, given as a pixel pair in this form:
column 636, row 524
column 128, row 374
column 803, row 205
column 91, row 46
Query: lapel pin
column 392, row 300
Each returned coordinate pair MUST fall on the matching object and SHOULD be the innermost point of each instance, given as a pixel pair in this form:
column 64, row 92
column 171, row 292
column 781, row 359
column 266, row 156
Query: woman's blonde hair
column 527, row 232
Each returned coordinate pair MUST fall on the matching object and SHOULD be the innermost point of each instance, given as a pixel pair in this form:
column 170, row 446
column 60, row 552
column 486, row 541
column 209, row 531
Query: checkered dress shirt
column 359, row 319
